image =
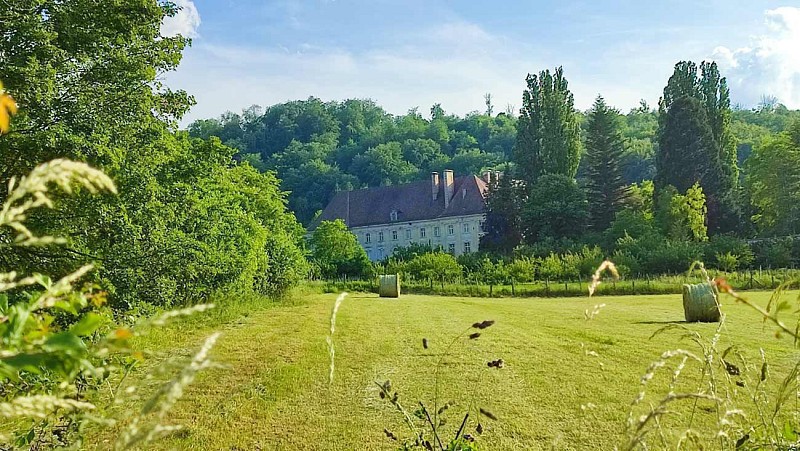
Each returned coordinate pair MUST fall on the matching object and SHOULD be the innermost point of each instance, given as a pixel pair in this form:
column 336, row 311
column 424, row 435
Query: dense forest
column 317, row 148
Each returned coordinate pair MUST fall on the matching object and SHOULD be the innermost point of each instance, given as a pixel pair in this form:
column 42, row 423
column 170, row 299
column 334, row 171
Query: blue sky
column 416, row 53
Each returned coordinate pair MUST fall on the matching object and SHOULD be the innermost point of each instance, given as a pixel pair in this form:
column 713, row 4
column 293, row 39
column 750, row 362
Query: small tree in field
column 335, row 250
column 435, row 266
column 493, row 273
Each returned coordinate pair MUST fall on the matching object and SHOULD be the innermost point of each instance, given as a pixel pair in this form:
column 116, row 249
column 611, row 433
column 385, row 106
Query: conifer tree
column 503, row 205
column 606, row 188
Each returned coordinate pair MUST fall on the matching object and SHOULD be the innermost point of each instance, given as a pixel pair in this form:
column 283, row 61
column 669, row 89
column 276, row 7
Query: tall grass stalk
column 331, row 350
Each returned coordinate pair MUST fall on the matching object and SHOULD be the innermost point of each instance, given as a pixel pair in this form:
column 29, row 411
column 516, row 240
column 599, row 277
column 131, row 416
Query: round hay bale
column 700, row 303
column 390, row 286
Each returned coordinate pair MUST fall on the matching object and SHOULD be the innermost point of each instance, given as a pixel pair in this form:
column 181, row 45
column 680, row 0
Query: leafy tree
column 435, row 266
column 336, row 252
column 556, row 208
column 773, row 180
column 548, row 133
column 629, row 223
column 473, row 161
column 89, row 79
column 682, row 216
column 604, row 147
column 492, row 273
column 383, row 165
column 425, row 154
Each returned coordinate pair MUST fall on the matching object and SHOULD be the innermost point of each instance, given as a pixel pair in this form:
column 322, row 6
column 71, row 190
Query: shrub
column 521, row 270
column 727, row 262
column 657, row 255
column 589, row 260
column 722, row 245
column 436, row 266
column 550, row 268
column 774, row 253
column 60, row 346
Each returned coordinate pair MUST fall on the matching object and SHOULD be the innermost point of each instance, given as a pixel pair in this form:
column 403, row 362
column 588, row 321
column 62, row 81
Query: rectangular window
column 450, row 229
column 408, row 234
column 368, row 238
column 436, row 231
column 394, row 235
column 467, row 247
column 422, row 232
column 380, row 237
column 466, row 228
column 451, row 248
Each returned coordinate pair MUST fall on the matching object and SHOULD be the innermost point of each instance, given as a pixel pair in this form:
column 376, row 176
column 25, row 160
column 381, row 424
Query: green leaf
column 65, row 341
column 87, row 325
column 3, row 303
column 32, row 363
column 788, row 432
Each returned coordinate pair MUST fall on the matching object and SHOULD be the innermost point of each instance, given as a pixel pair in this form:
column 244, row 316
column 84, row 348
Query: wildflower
column 7, row 109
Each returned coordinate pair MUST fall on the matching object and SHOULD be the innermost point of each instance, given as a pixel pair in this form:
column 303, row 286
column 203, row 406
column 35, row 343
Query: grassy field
column 568, row 382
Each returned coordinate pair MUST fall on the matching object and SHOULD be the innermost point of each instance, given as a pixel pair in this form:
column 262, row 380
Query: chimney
column 435, row 185
column 487, row 177
column 449, row 186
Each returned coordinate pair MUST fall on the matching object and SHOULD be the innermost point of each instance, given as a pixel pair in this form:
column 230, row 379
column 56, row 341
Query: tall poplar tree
column 606, row 188
column 548, row 133
column 710, row 89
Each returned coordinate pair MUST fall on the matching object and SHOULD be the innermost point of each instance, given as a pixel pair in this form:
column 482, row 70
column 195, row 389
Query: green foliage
column 551, row 268
column 774, row 253
column 696, row 142
column 521, row 270
column 604, row 148
column 188, row 220
column 728, row 253
column 653, row 254
column 384, row 165
column 548, row 134
column 318, row 148
column 435, row 266
column 682, row 216
column 629, row 223
column 503, row 225
column 60, row 346
column 557, row 208
column 773, row 180
column 336, row 252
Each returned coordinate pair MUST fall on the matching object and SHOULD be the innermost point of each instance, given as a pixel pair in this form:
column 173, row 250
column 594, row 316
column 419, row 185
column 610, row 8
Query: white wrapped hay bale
column 389, row 286
column 700, row 303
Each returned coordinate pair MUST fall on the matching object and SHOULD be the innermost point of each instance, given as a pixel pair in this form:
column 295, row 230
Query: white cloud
column 184, row 23
column 770, row 65
column 454, row 64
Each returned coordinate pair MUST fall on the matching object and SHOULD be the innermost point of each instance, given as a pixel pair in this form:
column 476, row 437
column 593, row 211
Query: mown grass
column 273, row 392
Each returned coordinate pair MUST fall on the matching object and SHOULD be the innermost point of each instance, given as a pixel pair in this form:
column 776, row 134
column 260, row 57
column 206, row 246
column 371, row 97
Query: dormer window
column 393, row 215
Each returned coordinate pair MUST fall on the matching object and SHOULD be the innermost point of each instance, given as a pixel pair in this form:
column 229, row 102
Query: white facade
column 457, row 235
